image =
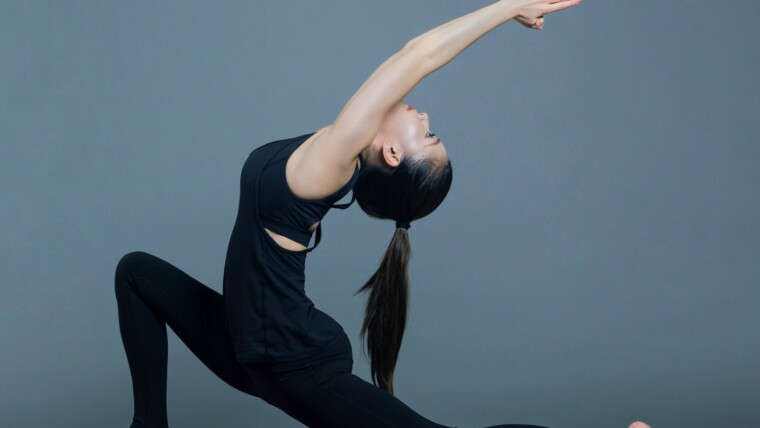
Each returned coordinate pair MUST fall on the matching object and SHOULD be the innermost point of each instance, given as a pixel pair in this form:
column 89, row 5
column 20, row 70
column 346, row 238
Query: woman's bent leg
column 151, row 293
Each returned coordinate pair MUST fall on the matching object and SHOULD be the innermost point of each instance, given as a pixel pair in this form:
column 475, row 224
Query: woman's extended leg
column 151, row 293
column 321, row 392
column 350, row 401
column 328, row 395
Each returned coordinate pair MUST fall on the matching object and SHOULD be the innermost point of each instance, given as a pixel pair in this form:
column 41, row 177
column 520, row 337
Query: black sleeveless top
column 269, row 316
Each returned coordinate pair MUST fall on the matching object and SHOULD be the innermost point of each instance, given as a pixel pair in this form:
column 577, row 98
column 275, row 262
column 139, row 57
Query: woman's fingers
column 531, row 23
column 558, row 5
column 537, row 23
column 562, row 5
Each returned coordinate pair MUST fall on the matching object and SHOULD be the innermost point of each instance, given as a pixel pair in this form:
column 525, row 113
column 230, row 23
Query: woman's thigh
column 328, row 395
column 193, row 311
column 349, row 401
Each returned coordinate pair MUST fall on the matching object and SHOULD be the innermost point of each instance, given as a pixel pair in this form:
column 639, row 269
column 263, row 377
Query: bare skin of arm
column 329, row 158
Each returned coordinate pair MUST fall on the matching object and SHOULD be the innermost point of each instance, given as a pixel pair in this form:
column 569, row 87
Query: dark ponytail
column 405, row 193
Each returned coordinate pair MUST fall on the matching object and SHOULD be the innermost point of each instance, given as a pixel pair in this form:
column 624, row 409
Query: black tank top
column 269, row 316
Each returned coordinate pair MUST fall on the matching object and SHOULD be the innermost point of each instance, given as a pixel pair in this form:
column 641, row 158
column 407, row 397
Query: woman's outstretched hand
column 530, row 13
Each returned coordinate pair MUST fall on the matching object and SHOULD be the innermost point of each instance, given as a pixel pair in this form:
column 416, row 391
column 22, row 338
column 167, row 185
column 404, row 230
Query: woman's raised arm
column 359, row 121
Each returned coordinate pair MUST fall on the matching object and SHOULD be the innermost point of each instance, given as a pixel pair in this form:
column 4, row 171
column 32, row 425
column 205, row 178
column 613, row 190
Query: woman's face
column 408, row 132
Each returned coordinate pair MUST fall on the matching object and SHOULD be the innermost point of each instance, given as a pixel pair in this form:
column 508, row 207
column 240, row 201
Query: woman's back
column 268, row 313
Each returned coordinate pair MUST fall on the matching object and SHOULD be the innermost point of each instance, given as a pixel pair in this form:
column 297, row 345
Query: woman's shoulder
column 313, row 172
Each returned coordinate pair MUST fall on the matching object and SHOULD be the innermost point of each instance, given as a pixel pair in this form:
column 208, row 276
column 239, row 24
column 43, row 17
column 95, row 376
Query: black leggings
column 318, row 390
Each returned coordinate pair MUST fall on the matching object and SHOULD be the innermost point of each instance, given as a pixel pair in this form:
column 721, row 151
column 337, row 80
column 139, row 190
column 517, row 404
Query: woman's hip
column 318, row 366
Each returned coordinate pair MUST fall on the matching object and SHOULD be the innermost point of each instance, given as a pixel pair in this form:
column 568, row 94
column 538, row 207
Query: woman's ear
column 392, row 154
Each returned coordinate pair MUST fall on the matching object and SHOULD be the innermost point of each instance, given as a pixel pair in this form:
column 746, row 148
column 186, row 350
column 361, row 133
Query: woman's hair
column 405, row 193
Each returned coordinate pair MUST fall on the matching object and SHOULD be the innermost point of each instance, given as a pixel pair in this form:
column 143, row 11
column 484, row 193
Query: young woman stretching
column 264, row 336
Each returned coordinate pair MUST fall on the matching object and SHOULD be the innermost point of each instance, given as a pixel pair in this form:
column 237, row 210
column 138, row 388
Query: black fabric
column 263, row 336
column 269, row 315
column 280, row 210
column 319, row 390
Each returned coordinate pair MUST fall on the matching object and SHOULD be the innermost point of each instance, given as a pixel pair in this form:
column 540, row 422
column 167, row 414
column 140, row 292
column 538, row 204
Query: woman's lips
column 410, row 108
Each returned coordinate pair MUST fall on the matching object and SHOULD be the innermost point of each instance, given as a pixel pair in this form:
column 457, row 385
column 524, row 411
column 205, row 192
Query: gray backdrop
column 595, row 263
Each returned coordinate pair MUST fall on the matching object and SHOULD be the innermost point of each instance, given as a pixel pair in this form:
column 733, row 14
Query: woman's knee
column 128, row 264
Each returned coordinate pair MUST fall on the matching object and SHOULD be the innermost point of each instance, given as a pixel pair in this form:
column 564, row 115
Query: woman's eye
column 429, row 134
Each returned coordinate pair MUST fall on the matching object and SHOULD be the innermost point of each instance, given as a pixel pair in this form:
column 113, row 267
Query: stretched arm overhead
column 360, row 119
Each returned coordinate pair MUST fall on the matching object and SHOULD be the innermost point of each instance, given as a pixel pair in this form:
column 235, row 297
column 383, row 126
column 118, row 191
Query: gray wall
column 595, row 263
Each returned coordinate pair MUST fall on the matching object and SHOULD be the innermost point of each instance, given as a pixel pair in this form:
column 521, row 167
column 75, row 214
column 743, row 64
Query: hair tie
column 403, row 224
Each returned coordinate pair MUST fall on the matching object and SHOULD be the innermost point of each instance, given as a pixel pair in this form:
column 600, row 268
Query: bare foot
column 638, row 424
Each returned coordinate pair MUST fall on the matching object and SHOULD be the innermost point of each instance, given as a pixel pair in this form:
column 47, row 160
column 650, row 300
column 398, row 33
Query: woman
column 264, row 336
